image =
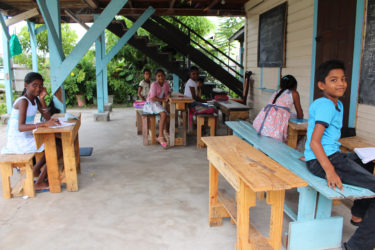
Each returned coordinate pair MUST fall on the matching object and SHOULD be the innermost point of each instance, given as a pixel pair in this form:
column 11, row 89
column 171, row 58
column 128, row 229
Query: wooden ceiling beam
column 171, row 3
column 93, row 4
column 76, row 18
column 23, row 16
column 212, row 4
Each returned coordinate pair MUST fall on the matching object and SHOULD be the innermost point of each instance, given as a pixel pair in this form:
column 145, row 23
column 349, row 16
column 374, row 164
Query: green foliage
column 227, row 27
column 3, row 108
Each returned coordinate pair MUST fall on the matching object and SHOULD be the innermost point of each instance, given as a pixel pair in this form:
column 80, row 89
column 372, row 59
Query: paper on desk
column 365, row 154
column 63, row 123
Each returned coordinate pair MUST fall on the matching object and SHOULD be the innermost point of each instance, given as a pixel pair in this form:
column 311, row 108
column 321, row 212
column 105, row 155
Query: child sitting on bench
column 20, row 139
column 273, row 120
column 323, row 156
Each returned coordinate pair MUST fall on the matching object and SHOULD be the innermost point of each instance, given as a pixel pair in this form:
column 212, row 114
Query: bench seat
column 313, row 227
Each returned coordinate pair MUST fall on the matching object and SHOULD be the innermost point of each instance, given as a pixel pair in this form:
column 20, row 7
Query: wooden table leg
column 70, row 167
column 276, row 200
column 200, row 124
column 138, row 122
column 216, row 211
column 52, row 163
column 152, row 128
column 28, row 183
column 184, row 125
column 245, row 199
column 78, row 157
column 172, row 127
column 292, row 138
column 211, row 124
column 6, row 173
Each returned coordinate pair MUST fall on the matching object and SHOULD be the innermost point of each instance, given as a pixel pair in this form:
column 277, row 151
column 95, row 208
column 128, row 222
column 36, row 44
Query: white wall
column 298, row 50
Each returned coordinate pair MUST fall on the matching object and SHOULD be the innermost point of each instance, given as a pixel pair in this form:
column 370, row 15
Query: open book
column 365, row 154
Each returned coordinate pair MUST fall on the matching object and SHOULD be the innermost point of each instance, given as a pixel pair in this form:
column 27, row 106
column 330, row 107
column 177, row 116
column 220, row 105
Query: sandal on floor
column 42, row 190
column 163, row 144
column 166, row 136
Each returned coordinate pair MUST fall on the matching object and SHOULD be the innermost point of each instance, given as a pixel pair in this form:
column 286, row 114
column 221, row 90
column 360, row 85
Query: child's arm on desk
column 333, row 179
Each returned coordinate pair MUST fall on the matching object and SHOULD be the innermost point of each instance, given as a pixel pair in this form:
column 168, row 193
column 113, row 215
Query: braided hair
column 287, row 82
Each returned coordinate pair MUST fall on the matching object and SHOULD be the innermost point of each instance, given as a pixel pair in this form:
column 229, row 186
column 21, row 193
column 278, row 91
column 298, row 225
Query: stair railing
column 190, row 31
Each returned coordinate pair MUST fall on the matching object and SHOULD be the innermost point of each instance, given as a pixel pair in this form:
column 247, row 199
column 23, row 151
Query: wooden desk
column 232, row 110
column 295, row 130
column 178, row 103
column 70, row 147
column 248, row 171
column 348, row 144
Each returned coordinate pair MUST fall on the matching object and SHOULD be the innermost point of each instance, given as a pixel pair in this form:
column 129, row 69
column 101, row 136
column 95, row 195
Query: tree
column 227, row 27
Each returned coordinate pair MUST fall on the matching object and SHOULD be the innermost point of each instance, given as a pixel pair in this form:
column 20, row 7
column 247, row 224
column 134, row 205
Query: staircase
column 179, row 41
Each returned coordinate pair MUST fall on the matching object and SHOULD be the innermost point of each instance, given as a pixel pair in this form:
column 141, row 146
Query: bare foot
column 40, row 186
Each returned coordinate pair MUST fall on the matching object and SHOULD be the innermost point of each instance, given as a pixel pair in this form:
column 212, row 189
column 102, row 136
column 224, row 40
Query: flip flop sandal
column 163, row 144
column 42, row 190
column 166, row 136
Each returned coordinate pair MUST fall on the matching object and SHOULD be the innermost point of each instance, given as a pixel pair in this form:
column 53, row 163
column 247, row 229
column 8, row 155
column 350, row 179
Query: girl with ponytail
column 273, row 119
column 20, row 139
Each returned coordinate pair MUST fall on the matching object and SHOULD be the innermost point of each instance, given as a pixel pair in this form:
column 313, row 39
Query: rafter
column 93, row 4
column 212, row 4
column 76, row 18
column 23, row 16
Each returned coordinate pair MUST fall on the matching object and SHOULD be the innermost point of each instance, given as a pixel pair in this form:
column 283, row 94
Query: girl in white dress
column 20, row 139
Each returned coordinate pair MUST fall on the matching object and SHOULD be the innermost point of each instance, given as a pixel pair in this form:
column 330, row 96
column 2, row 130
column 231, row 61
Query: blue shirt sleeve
column 324, row 113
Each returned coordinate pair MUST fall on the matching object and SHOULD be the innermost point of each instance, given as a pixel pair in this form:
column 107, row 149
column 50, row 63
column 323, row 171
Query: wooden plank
column 229, row 204
column 70, row 13
column 70, row 167
column 276, row 200
column 28, row 182
column 21, row 17
column 78, row 157
column 292, row 137
column 16, row 158
column 52, row 163
column 241, row 115
column 145, row 130
column 350, row 143
column 153, row 130
column 231, row 105
column 138, row 122
column 200, row 124
column 172, row 127
column 246, row 199
column 256, row 169
column 213, row 196
column 93, row 4
column 184, row 126
column 6, row 171
column 225, row 170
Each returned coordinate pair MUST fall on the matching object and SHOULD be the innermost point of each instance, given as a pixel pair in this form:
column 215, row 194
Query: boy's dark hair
column 324, row 69
column 193, row 68
column 286, row 82
column 200, row 79
column 30, row 77
column 147, row 70
column 159, row 71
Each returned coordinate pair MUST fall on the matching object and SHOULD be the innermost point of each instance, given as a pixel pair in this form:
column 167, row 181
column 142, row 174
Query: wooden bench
column 148, row 127
column 25, row 163
column 232, row 110
column 211, row 121
column 313, row 227
column 248, row 171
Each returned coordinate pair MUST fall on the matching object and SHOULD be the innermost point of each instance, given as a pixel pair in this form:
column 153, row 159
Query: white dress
column 21, row 142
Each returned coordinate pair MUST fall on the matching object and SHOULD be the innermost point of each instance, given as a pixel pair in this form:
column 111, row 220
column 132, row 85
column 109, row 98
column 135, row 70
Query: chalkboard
column 367, row 80
column 271, row 37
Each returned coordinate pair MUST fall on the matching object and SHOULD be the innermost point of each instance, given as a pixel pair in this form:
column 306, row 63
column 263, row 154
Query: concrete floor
column 130, row 197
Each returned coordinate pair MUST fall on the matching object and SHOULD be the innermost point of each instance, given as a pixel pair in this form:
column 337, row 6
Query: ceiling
column 85, row 8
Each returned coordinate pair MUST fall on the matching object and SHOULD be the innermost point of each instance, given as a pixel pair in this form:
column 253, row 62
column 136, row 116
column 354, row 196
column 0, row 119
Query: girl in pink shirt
column 159, row 93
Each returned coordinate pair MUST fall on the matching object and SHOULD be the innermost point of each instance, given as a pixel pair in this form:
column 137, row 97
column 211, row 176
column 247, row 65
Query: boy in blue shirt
column 323, row 156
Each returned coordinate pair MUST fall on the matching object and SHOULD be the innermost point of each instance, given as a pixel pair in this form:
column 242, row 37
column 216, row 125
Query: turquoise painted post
column 33, row 43
column 356, row 62
column 306, row 203
column 176, row 83
column 100, row 68
column 278, row 77
column 7, row 66
column 51, row 14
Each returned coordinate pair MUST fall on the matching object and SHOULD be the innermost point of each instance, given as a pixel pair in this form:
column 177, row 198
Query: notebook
column 365, row 154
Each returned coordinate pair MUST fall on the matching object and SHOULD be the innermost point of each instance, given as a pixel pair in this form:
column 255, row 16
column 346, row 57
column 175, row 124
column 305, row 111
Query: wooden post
column 213, row 196
column 52, row 163
column 200, row 123
column 153, row 129
column 78, row 157
column 70, row 167
column 292, row 137
column 6, row 172
column 28, row 183
column 276, row 200
column 145, row 129
column 246, row 199
column 172, row 127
